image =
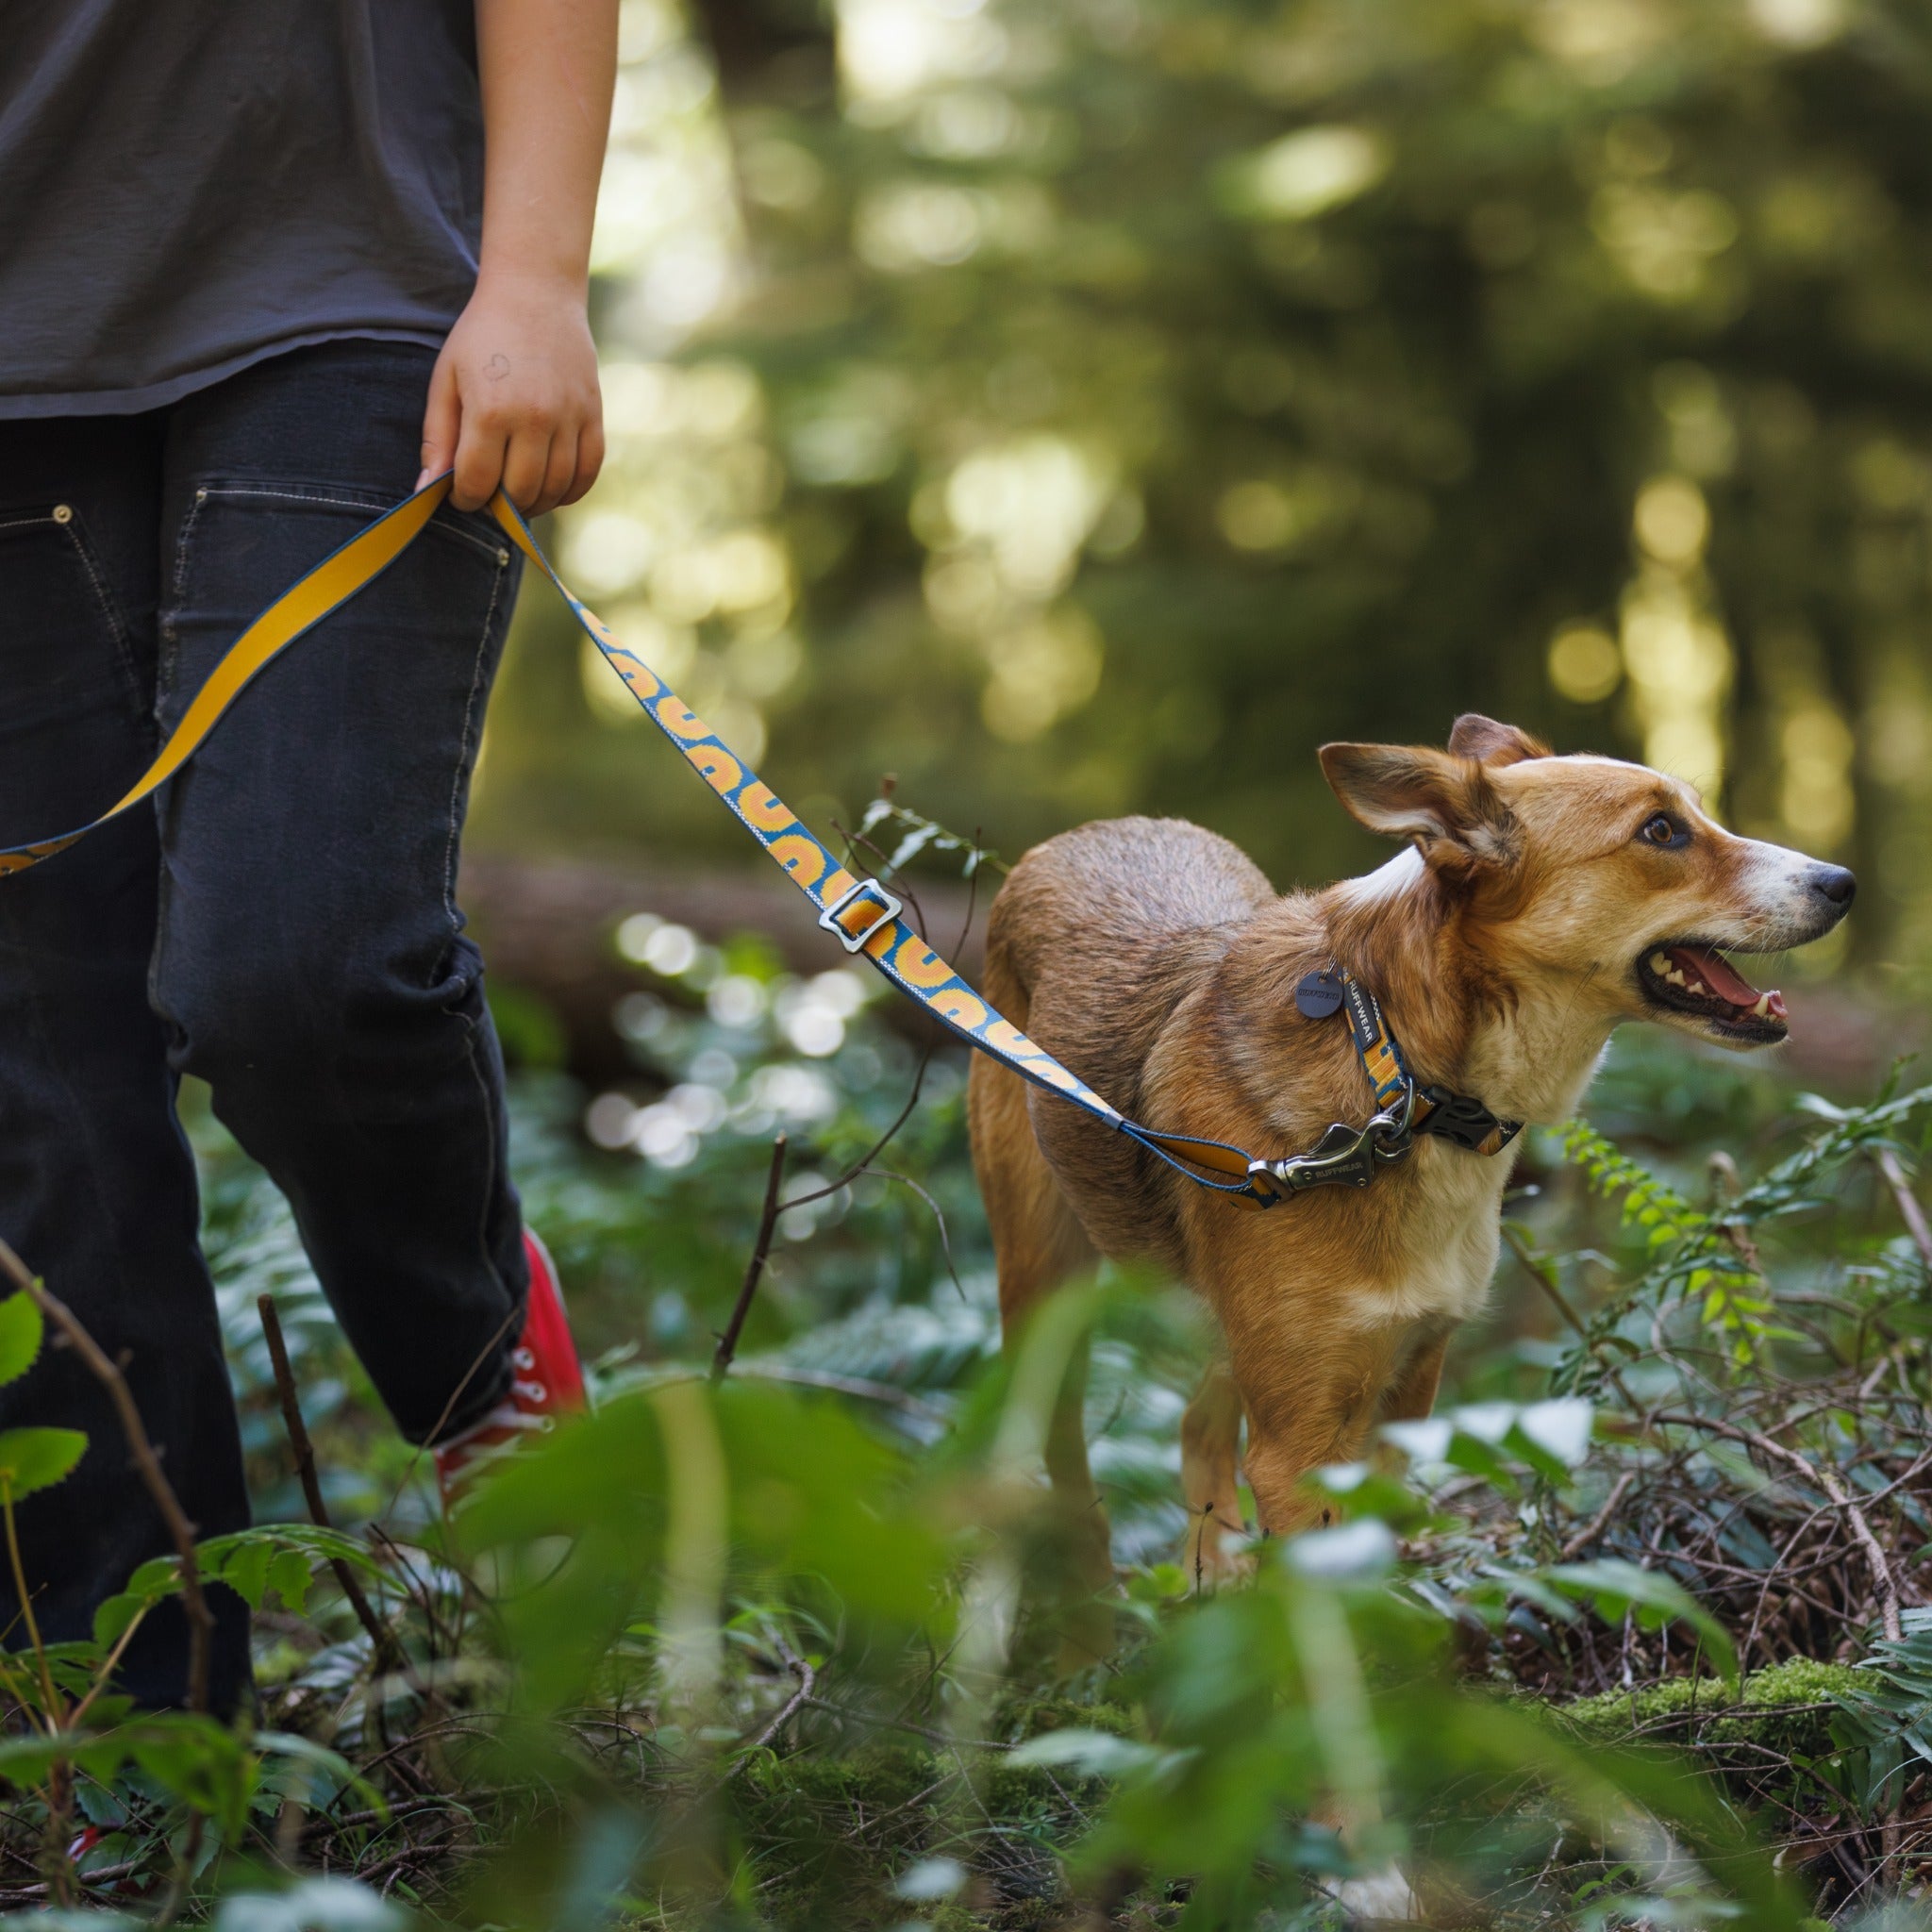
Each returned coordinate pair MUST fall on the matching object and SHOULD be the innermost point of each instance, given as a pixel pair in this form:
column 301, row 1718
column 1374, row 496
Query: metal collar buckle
column 888, row 910
column 1344, row 1157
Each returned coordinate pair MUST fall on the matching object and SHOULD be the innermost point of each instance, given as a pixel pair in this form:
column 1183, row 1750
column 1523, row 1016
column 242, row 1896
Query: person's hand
column 514, row 398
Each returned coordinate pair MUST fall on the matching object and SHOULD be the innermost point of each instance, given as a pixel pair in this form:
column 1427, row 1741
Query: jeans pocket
column 243, row 542
column 322, row 820
column 65, row 642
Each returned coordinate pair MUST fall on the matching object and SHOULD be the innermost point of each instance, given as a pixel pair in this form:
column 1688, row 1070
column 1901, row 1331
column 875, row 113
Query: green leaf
column 1615, row 1586
column 1094, row 1754
column 34, row 1460
column 246, row 1570
column 320, row 1769
column 21, row 1327
column 290, row 1577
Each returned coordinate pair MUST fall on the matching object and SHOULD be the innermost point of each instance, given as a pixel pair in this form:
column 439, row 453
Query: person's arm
column 514, row 397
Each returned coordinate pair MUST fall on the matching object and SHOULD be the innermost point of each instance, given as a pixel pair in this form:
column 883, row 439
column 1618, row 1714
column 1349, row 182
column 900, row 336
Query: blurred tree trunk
column 548, row 927
column 769, row 49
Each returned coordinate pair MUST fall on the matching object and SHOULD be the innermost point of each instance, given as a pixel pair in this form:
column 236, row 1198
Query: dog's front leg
column 1311, row 1398
column 1412, row 1394
column 1211, row 1475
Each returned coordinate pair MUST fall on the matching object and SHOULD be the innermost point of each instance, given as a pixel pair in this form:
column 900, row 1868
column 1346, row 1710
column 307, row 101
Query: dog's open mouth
column 1695, row 978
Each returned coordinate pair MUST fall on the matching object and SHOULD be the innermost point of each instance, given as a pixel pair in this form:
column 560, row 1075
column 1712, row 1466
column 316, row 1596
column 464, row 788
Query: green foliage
column 21, row 1330
column 1125, row 400
column 281, row 1558
column 788, row 1652
column 1697, row 1254
column 200, row 1764
column 918, row 834
column 1889, row 1708
column 34, row 1460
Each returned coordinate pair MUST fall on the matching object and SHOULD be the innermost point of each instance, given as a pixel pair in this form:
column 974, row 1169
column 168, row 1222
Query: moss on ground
column 1786, row 1708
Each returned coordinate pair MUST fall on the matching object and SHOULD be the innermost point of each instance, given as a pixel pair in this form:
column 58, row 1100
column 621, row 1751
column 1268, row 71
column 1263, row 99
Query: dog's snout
column 1833, row 884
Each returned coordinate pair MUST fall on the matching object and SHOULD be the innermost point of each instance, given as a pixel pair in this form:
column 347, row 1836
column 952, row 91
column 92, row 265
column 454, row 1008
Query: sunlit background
column 1091, row 406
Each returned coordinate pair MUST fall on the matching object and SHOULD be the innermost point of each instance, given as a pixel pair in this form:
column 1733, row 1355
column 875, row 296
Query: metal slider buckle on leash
column 859, row 913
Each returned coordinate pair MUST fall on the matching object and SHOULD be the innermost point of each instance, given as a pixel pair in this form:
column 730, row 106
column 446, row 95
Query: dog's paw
column 1218, row 1557
column 1380, row 1898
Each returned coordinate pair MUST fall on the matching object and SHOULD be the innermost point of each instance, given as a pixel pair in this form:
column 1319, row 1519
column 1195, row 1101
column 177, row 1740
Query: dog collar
column 1457, row 1117
column 1344, row 1157
column 1350, row 1157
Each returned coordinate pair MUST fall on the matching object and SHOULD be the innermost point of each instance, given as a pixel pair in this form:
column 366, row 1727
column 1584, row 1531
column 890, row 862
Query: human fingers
column 481, row 452
column 527, row 460
column 559, row 470
column 441, row 420
column 589, row 459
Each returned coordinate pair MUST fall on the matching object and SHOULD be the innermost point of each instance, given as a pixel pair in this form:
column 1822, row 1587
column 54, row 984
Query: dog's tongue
column 1723, row 979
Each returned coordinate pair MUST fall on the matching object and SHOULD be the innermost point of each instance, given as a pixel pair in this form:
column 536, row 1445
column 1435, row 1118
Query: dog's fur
column 1157, row 962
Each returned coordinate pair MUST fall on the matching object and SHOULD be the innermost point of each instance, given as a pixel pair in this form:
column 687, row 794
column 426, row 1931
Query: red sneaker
column 549, row 1383
column 122, row 1878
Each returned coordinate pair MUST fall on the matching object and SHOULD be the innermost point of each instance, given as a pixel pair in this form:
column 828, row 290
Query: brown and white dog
column 1541, row 901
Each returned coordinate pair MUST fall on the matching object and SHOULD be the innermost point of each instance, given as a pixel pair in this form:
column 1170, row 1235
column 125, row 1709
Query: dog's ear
column 1473, row 736
column 1443, row 802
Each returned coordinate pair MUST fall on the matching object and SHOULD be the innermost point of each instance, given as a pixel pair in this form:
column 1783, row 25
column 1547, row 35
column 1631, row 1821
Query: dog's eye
column 1660, row 829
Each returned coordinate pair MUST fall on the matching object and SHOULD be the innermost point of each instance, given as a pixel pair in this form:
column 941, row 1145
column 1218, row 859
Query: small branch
column 893, row 1724
column 1909, row 1212
column 1514, row 1237
column 754, row 1273
column 201, row 1621
column 807, row 1682
column 886, row 871
column 1597, row 1524
column 383, row 1641
column 939, row 1215
column 864, row 1161
column 1825, row 1480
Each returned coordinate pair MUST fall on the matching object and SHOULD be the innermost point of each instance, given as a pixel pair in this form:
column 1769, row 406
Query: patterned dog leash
column 858, row 912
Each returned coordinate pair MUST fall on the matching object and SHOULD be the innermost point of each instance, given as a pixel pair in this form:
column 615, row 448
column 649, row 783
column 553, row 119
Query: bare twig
column 893, row 1724
column 754, row 1273
column 939, row 1215
column 1825, row 1480
column 201, row 1621
column 384, row 1649
column 877, row 1147
column 449, row 1408
column 807, row 1682
column 1595, row 1526
column 1518, row 1247
column 1909, row 1212
column 887, row 869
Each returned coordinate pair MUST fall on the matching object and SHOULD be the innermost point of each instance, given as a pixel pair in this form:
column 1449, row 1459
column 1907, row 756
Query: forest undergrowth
column 1635, row 1631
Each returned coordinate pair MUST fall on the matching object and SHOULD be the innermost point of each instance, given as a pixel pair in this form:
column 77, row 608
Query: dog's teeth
column 1659, row 962
column 1675, row 977
column 1763, row 1007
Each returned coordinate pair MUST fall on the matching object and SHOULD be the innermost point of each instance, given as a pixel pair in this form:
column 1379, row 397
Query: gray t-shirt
column 189, row 186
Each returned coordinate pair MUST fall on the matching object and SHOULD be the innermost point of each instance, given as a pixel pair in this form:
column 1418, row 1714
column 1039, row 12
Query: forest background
column 1028, row 410
column 1092, row 407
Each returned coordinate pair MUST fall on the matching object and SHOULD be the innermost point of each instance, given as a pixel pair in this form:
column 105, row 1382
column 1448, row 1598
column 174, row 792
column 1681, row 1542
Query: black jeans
column 282, row 926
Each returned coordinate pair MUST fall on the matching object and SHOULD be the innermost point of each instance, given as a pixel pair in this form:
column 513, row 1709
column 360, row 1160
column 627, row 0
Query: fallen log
column 548, row 927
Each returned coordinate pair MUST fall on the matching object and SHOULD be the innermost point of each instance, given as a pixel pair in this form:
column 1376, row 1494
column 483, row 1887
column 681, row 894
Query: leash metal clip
column 1345, row 1156
column 890, row 910
column 1394, row 1134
